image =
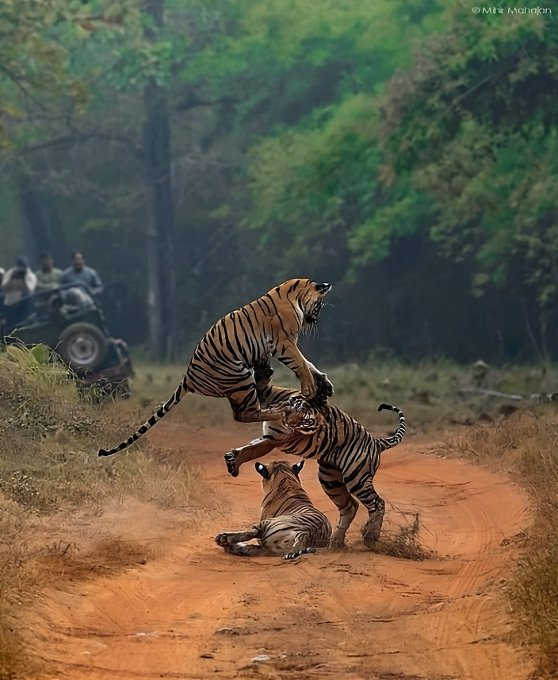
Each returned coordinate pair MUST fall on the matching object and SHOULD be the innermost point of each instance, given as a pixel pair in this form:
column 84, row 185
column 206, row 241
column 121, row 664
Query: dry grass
column 48, row 443
column 66, row 561
column 403, row 542
column 525, row 445
column 427, row 391
column 48, row 463
column 16, row 589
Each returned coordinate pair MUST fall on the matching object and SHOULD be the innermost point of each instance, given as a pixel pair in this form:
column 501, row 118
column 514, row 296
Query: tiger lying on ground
column 222, row 363
column 289, row 524
column 348, row 455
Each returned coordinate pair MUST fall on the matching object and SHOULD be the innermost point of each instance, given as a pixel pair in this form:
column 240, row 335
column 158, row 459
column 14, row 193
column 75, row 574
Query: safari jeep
column 68, row 320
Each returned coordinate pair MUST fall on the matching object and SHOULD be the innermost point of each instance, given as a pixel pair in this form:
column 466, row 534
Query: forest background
column 199, row 152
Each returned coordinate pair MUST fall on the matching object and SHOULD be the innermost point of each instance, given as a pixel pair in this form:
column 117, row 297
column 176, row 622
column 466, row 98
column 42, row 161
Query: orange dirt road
column 195, row 612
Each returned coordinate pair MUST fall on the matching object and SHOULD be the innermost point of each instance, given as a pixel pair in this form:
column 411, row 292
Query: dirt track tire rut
column 196, row 612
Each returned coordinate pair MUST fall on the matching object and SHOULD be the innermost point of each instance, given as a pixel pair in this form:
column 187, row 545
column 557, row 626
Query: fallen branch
column 538, row 396
column 491, row 393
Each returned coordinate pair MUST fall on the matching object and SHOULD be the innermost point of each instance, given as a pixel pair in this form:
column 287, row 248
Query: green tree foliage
column 35, row 80
column 327, row 172
column 470, row 125
column 459, row 147
column 473, row 126
column 389, row 146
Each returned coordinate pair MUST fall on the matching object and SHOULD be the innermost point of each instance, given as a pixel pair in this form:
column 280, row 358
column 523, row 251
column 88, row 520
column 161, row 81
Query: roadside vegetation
column 48, row 473
column 525, row 445
column 432, row 393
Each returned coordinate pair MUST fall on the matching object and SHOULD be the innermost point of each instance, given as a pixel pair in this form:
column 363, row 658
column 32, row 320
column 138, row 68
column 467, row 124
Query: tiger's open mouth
column 314, row 313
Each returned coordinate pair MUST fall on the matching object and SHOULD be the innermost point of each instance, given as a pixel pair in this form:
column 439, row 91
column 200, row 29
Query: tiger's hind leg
column 246, row 406
column 364, row 490
column 371, row 530
column 331, row 479
column 233, row 543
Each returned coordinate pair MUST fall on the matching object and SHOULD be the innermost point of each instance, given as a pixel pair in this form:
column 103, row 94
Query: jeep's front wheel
column 83, row 346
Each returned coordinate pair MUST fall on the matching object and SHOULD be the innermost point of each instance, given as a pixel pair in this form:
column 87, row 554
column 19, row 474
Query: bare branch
column 17, row 81
column 192, row 101
column 81, row 136
column 491, row 393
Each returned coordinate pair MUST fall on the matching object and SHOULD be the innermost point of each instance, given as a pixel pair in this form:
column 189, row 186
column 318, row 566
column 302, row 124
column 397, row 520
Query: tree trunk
column 543, row 331
column 34, row 217
column 160, row 232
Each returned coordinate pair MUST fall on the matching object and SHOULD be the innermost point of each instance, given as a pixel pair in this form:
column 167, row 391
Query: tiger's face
column 308, row 296
column 301, row 418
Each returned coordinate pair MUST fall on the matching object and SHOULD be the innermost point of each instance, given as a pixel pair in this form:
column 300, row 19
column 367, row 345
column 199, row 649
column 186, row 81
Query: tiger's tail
column 397, row 436
column 155, row 418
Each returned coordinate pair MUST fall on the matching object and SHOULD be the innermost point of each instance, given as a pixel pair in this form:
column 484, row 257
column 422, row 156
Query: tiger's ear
column 298, row 467
column 262, row 470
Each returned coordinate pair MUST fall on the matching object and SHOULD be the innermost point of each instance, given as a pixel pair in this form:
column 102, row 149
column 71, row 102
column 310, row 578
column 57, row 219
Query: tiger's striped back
column 328, row 433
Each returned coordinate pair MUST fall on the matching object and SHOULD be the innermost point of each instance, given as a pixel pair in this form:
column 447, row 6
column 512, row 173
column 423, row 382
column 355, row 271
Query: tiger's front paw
column 324, row 387
column 222, row 540
column 308, row 387
column 232, row 463
column 291, row 555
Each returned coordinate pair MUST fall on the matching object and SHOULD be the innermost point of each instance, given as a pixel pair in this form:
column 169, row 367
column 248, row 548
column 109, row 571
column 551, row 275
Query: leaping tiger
column 222, row 363
column 348, row 455
column 289, row 524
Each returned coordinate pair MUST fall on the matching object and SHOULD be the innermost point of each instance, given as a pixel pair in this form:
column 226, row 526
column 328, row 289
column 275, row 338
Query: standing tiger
column 289, row 524
column 222, row 363
column 348, row 455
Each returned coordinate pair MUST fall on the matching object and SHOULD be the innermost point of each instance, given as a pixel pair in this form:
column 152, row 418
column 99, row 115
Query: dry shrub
column 534, row 597
column 404, row 541
column 525, row 445
column 534, row 592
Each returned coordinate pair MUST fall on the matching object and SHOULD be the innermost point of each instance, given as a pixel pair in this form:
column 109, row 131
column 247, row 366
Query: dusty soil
column 194, row 612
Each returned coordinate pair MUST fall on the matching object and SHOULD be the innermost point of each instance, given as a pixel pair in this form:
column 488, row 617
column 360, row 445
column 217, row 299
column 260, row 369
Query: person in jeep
column 79, row 274
column 48, row 276
column 18, row 284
